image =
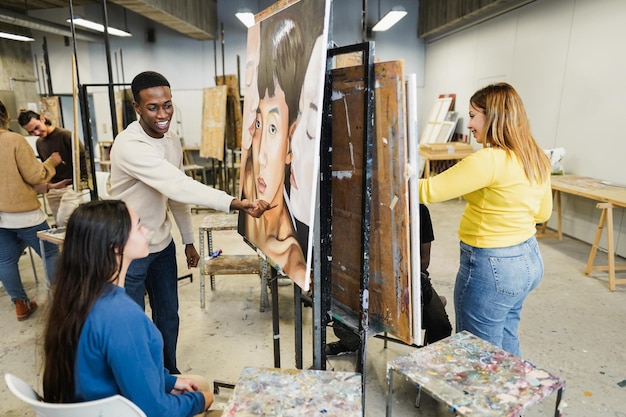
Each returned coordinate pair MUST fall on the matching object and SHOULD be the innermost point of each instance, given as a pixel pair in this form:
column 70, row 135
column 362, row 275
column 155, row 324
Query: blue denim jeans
column 490, row 289
column 158, row 275
column 12, row 243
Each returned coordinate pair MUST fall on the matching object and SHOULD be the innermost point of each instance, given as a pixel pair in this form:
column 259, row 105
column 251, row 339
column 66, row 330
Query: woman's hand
column 56, row 159
column 183, row 385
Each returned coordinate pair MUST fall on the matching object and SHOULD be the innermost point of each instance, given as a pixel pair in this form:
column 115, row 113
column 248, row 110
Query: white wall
column 565, row 57
column 189, row 64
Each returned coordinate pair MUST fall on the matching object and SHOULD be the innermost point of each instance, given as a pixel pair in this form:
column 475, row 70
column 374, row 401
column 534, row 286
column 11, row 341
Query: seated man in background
column 62, row 198
column 435, row 320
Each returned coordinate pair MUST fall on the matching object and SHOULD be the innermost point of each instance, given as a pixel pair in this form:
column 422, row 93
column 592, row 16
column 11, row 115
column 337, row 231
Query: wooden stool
column 227, row 264
column 606, row 216
column 234, row 265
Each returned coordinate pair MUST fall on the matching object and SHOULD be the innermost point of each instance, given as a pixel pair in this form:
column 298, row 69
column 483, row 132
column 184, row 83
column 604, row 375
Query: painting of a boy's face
column 281, row 53
column 270, row 145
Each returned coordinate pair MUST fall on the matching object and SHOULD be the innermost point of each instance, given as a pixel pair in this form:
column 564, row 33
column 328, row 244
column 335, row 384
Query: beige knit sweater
column 20, row 171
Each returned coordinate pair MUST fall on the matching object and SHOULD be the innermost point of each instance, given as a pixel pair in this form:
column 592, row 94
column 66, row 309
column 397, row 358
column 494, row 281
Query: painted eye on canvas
column 273, row 129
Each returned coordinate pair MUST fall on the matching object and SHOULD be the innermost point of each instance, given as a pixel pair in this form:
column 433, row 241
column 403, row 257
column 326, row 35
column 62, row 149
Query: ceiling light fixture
column 15, row 37
column 246, row 17
column 392, row 17
column 98, row 27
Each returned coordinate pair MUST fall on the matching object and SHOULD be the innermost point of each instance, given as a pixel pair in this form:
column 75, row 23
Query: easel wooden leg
column 611, row 247
column 559, row 217
column 596, row 240
column 426, row 168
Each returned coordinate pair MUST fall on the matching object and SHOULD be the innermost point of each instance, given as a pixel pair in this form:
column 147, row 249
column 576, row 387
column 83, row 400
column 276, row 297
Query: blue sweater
column 120, row 351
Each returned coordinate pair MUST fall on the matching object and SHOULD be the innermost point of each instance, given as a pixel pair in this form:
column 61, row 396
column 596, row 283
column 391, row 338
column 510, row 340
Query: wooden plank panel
column 213, row 122
column 389, row 289
column 233, row 116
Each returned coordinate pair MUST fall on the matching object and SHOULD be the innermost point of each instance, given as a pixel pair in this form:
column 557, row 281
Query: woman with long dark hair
column 98, row 342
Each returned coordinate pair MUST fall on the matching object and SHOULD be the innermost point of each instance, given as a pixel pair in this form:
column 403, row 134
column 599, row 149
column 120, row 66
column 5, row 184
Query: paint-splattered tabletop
column 295, row 393
column 475, row 377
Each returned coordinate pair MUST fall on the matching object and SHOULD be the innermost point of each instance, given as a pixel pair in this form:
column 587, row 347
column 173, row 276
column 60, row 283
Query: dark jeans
column 157, row 274
column 435, row 320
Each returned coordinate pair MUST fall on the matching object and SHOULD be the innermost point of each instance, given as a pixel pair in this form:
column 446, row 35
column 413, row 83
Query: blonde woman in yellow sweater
column 507, row 189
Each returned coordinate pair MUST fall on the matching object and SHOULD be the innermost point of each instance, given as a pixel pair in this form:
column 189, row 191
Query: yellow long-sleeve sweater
column 503, row 206
column 20, row 171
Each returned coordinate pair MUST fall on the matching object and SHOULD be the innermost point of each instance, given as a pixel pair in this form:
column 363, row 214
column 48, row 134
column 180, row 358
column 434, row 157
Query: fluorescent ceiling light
column 246, row 17
column 98, row 27
column 391, row 18
column 15, row 37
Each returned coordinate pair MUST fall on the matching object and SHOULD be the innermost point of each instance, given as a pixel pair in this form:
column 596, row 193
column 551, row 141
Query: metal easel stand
column 322, row 280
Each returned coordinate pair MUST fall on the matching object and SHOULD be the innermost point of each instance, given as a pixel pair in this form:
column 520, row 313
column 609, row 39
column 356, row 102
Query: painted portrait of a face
column 280, row 145
column 270, row 146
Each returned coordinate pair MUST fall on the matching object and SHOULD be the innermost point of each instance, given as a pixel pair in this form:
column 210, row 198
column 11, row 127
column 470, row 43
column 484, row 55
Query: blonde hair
column 508, row 128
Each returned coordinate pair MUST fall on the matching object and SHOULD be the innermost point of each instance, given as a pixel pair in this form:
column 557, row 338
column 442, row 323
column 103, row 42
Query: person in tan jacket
column 21, row 216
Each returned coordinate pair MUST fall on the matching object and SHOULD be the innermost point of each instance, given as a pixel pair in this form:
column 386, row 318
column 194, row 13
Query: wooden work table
column 450, row 151
column 607, row 195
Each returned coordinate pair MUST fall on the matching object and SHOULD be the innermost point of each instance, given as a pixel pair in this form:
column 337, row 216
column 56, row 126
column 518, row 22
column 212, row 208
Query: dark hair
column 94, row 240
column 147, row 79
column 4, row 116
column 282, row 58
column 26, row 116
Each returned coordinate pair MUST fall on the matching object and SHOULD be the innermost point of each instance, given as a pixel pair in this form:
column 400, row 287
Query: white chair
column 115, row 406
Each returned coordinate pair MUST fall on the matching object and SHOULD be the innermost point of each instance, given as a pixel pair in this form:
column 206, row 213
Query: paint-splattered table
column 295, row 393
column 475, row 378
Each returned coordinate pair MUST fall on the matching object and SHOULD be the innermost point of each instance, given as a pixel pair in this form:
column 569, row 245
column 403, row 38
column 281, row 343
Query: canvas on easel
column 280, row 146
column 233, row 110
column 51, row 110
column 439, row 120
column 390, row 298
column 213, row 122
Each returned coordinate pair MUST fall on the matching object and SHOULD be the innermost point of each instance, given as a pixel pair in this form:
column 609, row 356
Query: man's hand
column 59, row 185
column 253, row 208
column 192, row 255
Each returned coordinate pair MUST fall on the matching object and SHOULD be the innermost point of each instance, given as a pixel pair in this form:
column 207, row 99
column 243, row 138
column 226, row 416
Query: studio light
column 246, row 17
column 15, row 37
column 392, row 17
column 98, row 27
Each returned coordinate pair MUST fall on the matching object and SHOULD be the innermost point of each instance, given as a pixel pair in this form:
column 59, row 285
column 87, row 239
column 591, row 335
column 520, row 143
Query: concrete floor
column 572, row 326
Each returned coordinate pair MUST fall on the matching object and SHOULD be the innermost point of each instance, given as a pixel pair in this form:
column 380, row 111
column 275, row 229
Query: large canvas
column 283, row 97
column 391, row 306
